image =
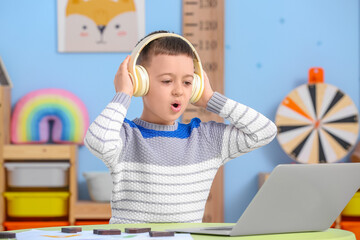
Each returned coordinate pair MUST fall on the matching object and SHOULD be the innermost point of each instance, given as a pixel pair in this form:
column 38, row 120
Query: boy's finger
column 125, row 63
column 127, row 59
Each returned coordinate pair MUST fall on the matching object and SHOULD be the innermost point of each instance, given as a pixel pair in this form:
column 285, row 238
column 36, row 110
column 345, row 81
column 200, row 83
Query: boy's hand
column 207, row 94
column 122, row 81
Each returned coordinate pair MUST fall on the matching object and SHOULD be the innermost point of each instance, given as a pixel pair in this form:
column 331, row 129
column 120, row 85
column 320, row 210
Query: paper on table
column 88, row 235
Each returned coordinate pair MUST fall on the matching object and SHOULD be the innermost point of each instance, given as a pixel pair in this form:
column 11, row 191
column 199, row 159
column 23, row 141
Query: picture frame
column 100, row 25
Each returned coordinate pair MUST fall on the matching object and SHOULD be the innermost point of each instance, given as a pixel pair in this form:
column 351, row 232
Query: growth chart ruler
column 203, row 26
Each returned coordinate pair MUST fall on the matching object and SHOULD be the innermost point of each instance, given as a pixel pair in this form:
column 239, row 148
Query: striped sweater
column 163, row 173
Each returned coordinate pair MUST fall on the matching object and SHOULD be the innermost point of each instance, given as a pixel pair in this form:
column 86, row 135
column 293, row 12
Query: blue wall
column 269, row 47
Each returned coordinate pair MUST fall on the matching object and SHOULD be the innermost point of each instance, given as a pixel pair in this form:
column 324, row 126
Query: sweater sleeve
column 104, row 138
column 248, row 129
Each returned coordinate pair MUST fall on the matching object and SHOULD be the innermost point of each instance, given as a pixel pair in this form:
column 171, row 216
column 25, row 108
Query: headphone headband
column 140, row 46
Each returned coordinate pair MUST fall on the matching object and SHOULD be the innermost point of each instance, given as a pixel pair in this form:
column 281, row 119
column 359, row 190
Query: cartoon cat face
column 100, row 25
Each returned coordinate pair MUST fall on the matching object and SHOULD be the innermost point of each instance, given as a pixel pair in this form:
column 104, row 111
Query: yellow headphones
column 140, row 77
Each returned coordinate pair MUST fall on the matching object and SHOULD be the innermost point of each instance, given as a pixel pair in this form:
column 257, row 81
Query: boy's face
column 170, row 88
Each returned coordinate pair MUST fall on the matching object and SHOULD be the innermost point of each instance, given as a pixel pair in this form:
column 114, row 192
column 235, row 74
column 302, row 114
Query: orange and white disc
column 317, row 123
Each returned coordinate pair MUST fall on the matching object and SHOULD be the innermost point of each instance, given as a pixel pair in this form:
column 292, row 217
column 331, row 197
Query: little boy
column 162, row 170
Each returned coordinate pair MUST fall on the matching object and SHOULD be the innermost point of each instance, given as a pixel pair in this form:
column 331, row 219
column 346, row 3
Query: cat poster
column 100, row 25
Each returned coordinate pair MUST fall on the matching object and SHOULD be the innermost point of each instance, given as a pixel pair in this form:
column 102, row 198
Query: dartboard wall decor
column 317, row 123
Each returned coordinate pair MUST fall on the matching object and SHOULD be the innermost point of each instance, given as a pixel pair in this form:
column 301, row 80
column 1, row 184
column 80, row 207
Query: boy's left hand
column 207, row 94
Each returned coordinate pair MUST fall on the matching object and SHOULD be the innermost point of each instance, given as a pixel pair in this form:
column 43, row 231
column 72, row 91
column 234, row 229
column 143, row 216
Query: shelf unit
column 5, row 113
column 78, row 210
column 45, row 153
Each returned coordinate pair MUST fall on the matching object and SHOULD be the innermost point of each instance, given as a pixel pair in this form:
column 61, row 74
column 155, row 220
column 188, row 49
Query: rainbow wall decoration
column 30, row 121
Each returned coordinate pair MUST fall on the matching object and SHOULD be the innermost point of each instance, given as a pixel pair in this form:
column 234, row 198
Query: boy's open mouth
column 176, row 107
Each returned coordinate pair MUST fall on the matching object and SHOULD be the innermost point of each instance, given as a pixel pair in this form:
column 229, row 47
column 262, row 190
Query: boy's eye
column 166, row 81
column 187, row 83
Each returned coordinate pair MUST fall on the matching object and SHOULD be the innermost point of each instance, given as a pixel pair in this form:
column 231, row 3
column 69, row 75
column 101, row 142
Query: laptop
column 295, row 198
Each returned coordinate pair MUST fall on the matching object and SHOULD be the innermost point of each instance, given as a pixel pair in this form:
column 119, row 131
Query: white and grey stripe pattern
column 103, row 138
column 248, row 130
column 164, row 173
column 161, row 193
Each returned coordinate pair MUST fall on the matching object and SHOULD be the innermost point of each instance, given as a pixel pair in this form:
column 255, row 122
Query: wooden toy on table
column 137, row 230
column 71, row 229
column 7, row 235
column 161, row 234
column 107, row 231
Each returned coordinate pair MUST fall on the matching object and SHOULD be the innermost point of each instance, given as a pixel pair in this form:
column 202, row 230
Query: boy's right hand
column 122, row 81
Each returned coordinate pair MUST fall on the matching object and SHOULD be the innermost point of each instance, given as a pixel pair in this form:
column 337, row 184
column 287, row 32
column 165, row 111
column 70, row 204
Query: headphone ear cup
column 142, row 81
column 196, row 89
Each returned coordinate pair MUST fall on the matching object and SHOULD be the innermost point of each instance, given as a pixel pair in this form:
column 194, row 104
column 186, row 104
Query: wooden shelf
column 92, row 210
column 78, row 210
column 50, row 152
column 38, row 152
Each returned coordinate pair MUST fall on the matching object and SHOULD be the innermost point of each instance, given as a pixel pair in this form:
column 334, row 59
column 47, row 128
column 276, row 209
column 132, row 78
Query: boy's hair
column 164, row 45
